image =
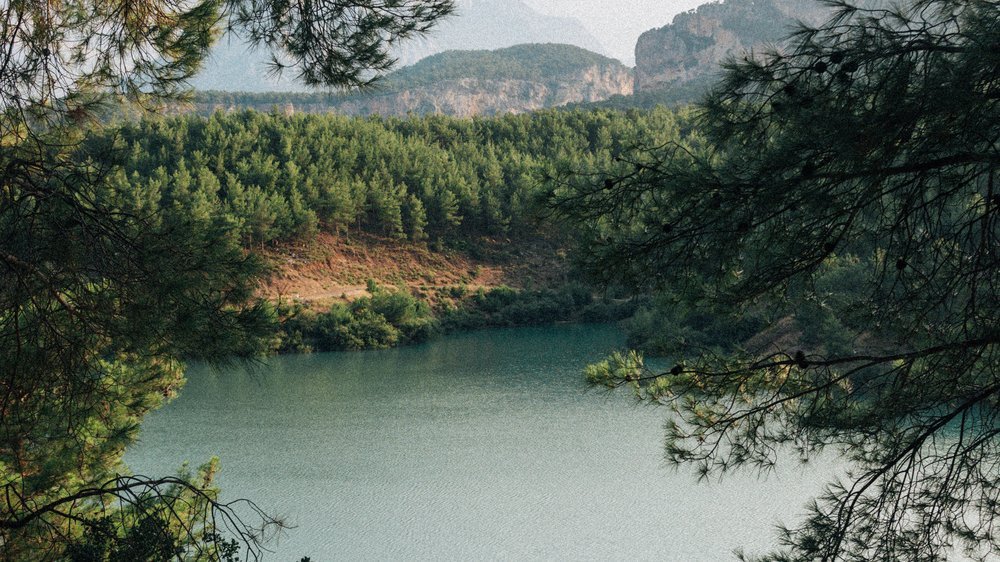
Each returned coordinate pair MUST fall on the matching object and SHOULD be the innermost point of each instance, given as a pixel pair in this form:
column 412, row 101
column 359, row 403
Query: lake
column 481, row 446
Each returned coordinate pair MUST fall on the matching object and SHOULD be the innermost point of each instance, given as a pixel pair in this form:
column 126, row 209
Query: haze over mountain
column 495, row 24
column 461, row 83
column 678, row 51
column 478, row 25
column 617, row 24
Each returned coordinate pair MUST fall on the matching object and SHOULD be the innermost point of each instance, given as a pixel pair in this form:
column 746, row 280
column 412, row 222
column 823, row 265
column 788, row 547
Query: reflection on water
column 480, row 446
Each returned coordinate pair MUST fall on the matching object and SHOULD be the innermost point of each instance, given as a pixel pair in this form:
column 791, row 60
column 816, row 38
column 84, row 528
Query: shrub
column 385, row 319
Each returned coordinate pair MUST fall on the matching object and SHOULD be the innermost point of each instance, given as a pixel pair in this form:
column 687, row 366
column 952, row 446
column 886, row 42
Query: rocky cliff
column 689, row 50
column 467, row 97
column 462, row 83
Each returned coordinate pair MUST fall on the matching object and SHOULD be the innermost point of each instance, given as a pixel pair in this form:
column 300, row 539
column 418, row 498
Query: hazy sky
column 617, row 23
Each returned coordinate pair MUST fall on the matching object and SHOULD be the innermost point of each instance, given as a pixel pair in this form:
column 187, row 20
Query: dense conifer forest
column 436, row 179
column 448, row 184
column 273, row 181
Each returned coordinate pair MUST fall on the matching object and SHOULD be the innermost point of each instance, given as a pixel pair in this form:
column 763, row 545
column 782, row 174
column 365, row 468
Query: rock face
column 690, row 49
column 467, row 97
column 463, row 84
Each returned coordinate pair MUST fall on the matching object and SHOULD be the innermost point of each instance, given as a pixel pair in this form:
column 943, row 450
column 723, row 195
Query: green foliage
column 620, row 366
column 390, row 318
column 280, row 179
column 530, row 62
column 416, row 219
column 823, row 318
column 97, row 314
column 148, row 540
column 335, row 43
column 156, row 525
column 504, row 306
column 670, row 326
column 846, row 188
column 385, row 319
column 110, row 277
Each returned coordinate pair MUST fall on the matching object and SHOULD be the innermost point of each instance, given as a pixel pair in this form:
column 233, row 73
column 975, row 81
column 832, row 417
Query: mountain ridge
column 461, row 83
column 479, row 25
column 687, row 52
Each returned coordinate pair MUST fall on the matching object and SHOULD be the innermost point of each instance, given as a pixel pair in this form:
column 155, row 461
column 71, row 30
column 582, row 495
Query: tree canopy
column 851, row 175
column 103, row 293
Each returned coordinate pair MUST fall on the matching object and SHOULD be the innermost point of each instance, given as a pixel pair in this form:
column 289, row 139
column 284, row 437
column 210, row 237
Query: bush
column 389, row 318
column 385, row 319
column 505, row 306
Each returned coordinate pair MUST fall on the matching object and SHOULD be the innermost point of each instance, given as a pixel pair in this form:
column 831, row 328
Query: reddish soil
column 337, row 268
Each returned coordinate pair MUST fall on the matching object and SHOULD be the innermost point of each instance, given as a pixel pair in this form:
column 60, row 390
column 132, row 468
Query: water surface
column 483, row 446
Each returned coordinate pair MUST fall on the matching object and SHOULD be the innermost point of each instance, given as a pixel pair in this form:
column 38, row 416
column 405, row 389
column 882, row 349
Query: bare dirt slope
column 337, row 268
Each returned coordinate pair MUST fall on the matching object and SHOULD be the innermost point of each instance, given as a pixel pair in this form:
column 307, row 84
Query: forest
column 442, row 180
column 448, row 183
column 452, row 185
column 813, row 247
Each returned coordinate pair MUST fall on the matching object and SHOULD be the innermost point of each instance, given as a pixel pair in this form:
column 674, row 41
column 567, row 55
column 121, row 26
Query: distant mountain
column 461, row 83
column 617, row 24
column 681, row 60
column 478, row 25
column 495, row 24
column 529, row 62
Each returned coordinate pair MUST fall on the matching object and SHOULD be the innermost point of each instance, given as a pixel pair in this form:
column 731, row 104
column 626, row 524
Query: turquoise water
column 483, row 446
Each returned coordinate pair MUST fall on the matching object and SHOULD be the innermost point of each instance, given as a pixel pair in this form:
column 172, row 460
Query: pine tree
column 99, row 301
column 416, row 219
column 447, row 210
column 875, row 138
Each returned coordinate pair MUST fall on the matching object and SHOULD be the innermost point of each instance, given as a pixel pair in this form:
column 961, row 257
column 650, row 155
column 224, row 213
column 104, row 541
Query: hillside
column 478, row 25
column 683, row 58
column 338, row 268
column 440, row 212
column 535, row 62
column 461, row 83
